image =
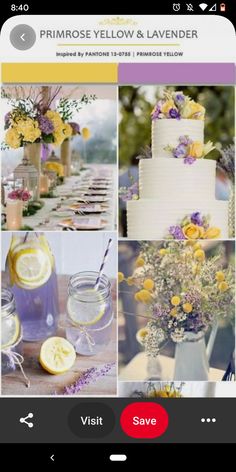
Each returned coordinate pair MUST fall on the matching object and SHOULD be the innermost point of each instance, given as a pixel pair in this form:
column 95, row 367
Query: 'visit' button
column 144, row 420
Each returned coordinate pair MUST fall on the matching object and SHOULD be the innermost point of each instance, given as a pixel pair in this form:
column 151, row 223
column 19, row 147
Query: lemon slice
column 32, row 267
column 10, row 331
column 86, row 312
column 57, row 355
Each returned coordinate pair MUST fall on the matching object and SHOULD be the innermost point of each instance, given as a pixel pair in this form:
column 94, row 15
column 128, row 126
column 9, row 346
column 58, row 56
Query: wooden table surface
column 43, row 383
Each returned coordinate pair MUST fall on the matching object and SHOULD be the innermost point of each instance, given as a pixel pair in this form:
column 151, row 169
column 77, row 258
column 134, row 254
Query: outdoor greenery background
column 136, row 104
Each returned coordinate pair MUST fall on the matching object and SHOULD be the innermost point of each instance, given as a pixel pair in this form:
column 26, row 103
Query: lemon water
column 90, row 313
column 10, row 332
column 38, row 309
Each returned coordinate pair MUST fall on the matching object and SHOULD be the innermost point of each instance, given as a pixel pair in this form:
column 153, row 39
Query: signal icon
column 203, row 6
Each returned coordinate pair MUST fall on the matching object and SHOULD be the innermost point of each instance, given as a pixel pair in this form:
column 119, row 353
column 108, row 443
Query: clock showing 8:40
column 22, row 7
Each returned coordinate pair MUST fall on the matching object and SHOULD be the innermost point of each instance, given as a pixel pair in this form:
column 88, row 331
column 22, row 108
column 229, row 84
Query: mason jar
column 11, row 333
column 90, row 313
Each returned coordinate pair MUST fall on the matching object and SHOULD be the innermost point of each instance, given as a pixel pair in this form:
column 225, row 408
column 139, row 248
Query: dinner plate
column 83, row 223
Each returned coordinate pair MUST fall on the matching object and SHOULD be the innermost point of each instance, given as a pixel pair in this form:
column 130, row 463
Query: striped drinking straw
column 97, row 283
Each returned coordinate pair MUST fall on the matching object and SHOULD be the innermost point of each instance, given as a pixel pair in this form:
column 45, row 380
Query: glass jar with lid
column 11, row 333
column 90, row 313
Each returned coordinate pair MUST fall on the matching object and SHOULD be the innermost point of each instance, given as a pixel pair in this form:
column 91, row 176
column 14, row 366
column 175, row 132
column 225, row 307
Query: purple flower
column 173, row 113
column 45, row 125
column 156, row 112
column 180, row 151
column 189, row 160
column 185, row 140
column 176, row 232
column 89, row 376
column 75, row 127
column 196, row 218
column 179, row 99
column 129, row 193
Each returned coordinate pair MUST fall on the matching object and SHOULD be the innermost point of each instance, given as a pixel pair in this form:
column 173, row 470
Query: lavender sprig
column 226, row 161
column 87, row 377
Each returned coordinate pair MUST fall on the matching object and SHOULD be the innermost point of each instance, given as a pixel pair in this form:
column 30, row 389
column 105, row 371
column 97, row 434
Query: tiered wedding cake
column 177, row 186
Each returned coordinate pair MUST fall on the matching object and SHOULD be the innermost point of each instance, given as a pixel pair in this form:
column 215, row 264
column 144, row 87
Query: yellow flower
column 196, row 149
column 141, row 335
column 223, row 286
column 173, row 312
column 175, row 300
column 67, row 130
column 54, row 117
column 212, row 233
column 193, row 110
column 86, row 134
column 121, row 277
column 139, row 262
column 55, row 167
column 166, row 107
column 130, row 281
column 163, row 252
column 220, row 276
column 187, row 307
column 192, row 231
column 137, row 297
column 12, row 138
column 145, row 296
column 208, row 147
column 148, row 284
column 196, row 269
column 28, row 129
column 197, row 246
column 199, row 255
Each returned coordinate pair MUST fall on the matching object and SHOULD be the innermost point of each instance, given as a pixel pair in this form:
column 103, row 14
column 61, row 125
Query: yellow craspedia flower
column 175, row 300
column 197, row 246
column 12, row 138
column 130, row 281
column 196, row 149
column 192, row 231
column 220, row 276
column 141, row 335
column 187, row 307
column 223, row 286
column 163, row 252
column 166, row 107
column 86, row 133
column 139, row 262
column 121, row 277
column 145, row 296
column 173, row 312
column 212, row 233
column 199, row 255
column 148, row 284
column 137, row 297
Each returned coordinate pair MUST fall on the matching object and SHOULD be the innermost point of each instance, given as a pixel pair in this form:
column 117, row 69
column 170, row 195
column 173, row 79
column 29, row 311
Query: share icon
column 29, row 423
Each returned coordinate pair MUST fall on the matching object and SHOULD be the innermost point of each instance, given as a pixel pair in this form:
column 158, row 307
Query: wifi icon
column 203, row 6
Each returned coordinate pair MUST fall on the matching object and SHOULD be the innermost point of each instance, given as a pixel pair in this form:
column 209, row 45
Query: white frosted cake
column 177, row 185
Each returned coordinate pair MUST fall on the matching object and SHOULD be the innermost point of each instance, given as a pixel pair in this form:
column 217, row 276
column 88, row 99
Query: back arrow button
column 52, row 458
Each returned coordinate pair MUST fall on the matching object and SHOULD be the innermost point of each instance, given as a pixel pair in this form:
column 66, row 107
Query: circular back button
column 22, row 37
column 144, row 420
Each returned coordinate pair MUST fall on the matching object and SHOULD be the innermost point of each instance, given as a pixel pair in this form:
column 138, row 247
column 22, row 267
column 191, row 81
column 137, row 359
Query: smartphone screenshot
column 117, row 231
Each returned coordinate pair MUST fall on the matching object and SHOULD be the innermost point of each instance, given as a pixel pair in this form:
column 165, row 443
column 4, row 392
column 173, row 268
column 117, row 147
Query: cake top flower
column 176, row 105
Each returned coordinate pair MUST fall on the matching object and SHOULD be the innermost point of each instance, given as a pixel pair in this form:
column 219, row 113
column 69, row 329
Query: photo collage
column 117, row 240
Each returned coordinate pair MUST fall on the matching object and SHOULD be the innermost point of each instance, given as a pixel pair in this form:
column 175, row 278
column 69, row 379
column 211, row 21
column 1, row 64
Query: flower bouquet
column 184, row 293
column 176, row 105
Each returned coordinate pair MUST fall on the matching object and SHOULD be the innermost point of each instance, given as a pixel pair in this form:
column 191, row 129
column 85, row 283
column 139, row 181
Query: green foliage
column 136, row 104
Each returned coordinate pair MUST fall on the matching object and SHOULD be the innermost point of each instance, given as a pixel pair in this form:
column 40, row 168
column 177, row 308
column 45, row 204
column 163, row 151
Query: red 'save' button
column 144, row 420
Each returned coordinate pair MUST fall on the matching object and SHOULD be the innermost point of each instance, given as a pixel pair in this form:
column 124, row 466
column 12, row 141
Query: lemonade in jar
column 90, row 313
column 33, row 282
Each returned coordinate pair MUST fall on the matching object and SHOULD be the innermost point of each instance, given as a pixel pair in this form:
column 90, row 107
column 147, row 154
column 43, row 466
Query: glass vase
column 191, row 361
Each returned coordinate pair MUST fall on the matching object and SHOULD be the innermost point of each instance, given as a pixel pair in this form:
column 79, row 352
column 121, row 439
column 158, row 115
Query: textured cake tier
column 151, row 219
column 166, row 179
column 167, row 132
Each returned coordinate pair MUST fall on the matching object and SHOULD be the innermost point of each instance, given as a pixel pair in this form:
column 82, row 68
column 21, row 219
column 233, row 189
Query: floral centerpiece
column 183, row 292
column 176, row 105
column 194, row 226
column 20, row 194
column 190, row 150
column 160, row 390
